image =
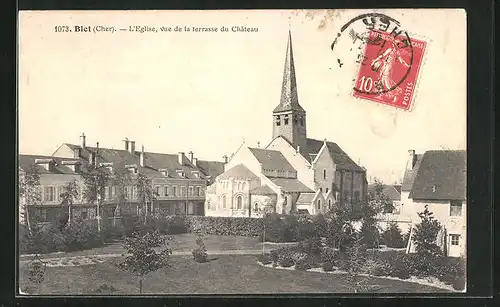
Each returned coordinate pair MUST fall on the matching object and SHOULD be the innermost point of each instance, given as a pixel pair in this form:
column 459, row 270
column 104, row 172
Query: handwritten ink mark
column 340, row 63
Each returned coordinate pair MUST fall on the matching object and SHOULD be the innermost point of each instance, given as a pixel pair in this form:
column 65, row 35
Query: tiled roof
column 389, row 191
column 26, row 161
column 444, row 170
column 263, row 190
column 290, row 185
column 341, row 159
column 289, row 97
column 409, row 176
column 272, row 159
column 211, row 168
column 239, row 171
column 152, row 161
column 305, row 198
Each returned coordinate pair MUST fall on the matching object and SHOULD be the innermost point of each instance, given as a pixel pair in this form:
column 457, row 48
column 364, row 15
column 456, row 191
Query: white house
column 438, row 179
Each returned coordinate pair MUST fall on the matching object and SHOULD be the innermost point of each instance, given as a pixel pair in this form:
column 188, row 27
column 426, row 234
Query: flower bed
column 443, row 272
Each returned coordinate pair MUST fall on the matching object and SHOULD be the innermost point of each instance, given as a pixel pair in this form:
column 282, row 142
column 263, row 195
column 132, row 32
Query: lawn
column 181, row 243
column 227, row 274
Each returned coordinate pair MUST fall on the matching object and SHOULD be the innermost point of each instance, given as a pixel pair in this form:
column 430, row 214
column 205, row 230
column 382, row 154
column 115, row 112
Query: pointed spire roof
column 289, row 98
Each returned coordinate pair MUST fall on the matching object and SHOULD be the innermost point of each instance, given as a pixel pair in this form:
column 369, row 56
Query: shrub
column 244, row 226
column 311, row 246
column 327, row 266
column 459, row 283
column 392, row 236
column 105, row 288
column 305, row 229
column 285, row 257
column 303, row 263
column 80, row 235
column 200, row 253
column 329, row 255
column 265, row 258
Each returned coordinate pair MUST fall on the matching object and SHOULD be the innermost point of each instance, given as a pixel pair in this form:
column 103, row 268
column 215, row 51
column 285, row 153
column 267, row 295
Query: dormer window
column 163, row 171
column 132, row 168
column 48, row 164
column 196, row 174
column 278, row 120
column 286, row 120
column 73, row 165
column 181, row 173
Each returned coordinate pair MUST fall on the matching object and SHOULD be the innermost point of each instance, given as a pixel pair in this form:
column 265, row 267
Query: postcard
column 242, row 152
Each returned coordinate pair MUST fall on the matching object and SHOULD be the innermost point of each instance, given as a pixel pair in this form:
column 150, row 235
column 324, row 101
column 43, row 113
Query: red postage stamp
column 389, row 69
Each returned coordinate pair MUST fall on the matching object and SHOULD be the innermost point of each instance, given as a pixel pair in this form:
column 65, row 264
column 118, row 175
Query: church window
column 239, row 202
column 324, row 174
column 329, row 204
column 301, row 121
column 224, row 201
column 318, row 204
column 295, row 119
column 286, row 120
column 321, row 189
column 326, row 190
column 278, row 120
column 256, row 207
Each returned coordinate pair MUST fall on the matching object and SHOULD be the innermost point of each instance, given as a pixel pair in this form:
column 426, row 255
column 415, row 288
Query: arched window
column 329, row 204
column 286, row 120
column 295, row 119
column 223, row 201
column 324, row 174
column 278, row 120
column 239, row 202
column 256, row 207
column 302, row 121
column 318, row 204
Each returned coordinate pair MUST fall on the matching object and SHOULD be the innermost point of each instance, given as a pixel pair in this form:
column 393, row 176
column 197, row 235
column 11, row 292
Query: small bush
column 311, row 246
column 303, row 264
column 265, row 259
column 105, row 288
column 329, row 255
column 285, row 257
column 392, row 236
column 200, row 253
column 459, row 283
column 327, row 266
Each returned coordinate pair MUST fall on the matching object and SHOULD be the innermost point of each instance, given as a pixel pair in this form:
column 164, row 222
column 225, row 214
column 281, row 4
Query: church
column 293, row 174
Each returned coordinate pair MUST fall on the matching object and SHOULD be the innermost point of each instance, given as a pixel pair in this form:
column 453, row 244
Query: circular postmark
column 380, row 48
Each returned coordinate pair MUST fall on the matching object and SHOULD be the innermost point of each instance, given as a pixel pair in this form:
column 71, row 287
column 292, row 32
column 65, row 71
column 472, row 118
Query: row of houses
column 178, row 180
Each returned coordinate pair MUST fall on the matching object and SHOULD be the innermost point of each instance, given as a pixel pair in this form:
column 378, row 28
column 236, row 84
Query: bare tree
column 68, row 196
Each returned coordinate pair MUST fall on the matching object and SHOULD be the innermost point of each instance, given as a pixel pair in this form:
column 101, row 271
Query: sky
column 208, row 92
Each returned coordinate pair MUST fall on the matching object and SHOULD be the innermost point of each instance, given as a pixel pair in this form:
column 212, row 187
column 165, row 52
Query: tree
column 356, row 261
column 200, row 253
column 30, row 191
column 339, row 231
column 142, row 258
column 145, row 192
column 393, row 237
column 95, row 179
column 425, row 234
column 68, row 196
column 121, row 179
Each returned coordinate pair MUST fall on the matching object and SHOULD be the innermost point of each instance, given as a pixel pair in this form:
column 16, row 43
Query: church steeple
column 289, row 98
column 289, row 118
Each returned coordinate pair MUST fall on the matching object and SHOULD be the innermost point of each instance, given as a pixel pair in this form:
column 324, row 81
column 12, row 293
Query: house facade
column 296, row 173
column 178, row 180
column 440, row 184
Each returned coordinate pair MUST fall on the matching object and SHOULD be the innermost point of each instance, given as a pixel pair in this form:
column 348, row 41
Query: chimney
column 411, row 159
column 141, row 158
column 126, row 143
column 132, row 147
column 97, row 147
column 195, row 162
column 191, row 156
column 181, row 158
column 258, row 144
column 224, row 158
column 82, row 140
column 91, row 158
